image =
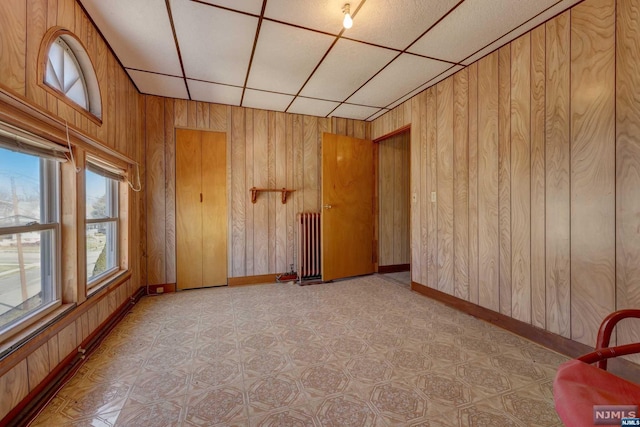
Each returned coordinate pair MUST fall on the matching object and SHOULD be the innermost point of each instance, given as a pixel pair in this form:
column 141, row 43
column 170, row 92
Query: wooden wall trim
column 397, row 268
column 568, row 347
column 31, row 405
column 393, row 133
column 252, row 280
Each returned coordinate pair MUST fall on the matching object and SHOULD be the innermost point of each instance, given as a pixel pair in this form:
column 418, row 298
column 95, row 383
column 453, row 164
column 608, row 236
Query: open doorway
column 393, row 204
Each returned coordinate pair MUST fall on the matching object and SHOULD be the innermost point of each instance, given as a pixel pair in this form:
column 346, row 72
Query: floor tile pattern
column 359, row 352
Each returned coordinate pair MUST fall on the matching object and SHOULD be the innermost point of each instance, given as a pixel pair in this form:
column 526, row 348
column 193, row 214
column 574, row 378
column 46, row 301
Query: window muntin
column 29, row 230
column 102, row 217
column 64, row 73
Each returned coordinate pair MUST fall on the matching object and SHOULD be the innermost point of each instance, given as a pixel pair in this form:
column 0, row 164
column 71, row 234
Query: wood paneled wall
column 265, row 149
column 393, row 200
column 525, row 167
column 23, row 24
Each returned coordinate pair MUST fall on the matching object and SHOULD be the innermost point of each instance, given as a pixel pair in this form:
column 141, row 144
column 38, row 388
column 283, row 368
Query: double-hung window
column 29, row 228
column 102, row 185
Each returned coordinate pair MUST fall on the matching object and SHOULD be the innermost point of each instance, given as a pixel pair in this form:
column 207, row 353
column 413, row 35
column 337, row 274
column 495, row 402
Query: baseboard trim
column 251, row 280
column 167, row 288
column 568, row 347
column 396, row 268
column 35, row 401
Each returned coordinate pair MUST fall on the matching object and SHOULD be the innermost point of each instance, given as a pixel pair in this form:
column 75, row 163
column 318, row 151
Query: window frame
column 86, row 68
column 50, row 221
column 115, row 178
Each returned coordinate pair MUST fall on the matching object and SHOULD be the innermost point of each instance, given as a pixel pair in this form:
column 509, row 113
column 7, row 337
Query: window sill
column 109, row 282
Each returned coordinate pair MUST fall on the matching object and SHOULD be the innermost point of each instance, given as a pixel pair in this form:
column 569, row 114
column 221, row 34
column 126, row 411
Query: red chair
column 579, row 385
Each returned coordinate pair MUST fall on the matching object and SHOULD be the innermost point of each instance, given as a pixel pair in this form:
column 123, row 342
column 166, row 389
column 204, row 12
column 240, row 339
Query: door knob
column 327, row 206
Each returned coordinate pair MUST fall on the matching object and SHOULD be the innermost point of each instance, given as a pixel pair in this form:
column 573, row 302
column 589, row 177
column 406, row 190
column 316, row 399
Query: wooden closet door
column 189, row 248
column 214, row 217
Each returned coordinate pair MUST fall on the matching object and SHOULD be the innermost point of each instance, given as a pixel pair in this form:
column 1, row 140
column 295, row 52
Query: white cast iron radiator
column 309, row 245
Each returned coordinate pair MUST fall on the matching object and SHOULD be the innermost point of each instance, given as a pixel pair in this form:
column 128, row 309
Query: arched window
column 69, row 72
column 64, row 73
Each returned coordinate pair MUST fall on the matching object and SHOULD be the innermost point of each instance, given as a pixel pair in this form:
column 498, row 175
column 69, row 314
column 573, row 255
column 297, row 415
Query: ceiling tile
column 285, row 56
column 357, row 112
column 211, row 92
column 312, row 107
column 249, row 6
column 545, row 16
column 402, row 76
column 139, row 32
column 481, row 22
column 158, row 84
column 345, row 69
column 396, row 23
column 321, row 15
column 266, row 100
column 215, row 44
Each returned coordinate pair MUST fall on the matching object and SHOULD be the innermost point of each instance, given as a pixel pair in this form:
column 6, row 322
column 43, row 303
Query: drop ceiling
column 294, row 55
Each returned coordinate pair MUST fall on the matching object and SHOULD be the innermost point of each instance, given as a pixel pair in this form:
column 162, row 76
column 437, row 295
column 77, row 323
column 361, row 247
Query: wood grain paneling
column 393, row 203
column 557, row 203
column 504, row 176
column 37, row 19
column 538, row 272
column 445, row 186
column 14, row 386
column 473, row 183
column 489, row 245
column 38, row 366
column 461, row 183
column 261, row 180
column 13, row 45
column 592, row 167
column 170, row 191
column 156, row 227
column 417, row 184
column 521, row 178
column 239, row 190
column 627, row 164
column 432, row 187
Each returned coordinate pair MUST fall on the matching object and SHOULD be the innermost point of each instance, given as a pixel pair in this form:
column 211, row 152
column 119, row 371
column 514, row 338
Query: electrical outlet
column 160, row 290
column 433, row 197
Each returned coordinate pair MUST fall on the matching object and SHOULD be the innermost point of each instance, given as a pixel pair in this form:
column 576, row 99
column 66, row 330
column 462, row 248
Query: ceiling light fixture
column 348, row 21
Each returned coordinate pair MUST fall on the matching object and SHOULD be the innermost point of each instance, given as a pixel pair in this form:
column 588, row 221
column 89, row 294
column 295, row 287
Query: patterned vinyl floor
column 360, row 352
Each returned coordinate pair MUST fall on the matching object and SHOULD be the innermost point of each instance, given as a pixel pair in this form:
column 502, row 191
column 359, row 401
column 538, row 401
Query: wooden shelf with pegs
column 285, row 191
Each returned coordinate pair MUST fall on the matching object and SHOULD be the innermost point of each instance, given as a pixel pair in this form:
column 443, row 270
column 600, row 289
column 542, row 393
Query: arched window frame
column 85, row 67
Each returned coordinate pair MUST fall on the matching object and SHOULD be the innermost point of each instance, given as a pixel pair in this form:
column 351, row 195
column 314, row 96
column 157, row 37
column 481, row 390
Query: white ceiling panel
column 249, row 6
column 358, row 112
column 285, row 56
column 139, row 32
column 158, row 84
column 482, row 22
column 215, row 44
column 402, row 76
column 266, row 100
column 312, row 107
column 210, row 92
column 396, row 23
column 345, row 69
column 321, row 15
column 545, row 16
